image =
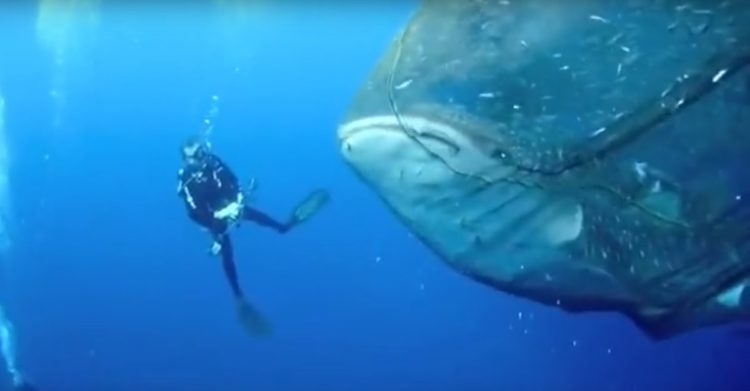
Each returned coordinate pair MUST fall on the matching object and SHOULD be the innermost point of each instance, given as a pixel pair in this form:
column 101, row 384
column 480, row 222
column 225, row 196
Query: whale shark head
column 447, row 182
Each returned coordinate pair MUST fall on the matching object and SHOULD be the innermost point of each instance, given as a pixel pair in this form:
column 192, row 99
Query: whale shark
column 575, row 155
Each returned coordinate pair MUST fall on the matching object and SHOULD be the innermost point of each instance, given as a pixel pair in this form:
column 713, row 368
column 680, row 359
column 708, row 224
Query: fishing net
column 598, row 85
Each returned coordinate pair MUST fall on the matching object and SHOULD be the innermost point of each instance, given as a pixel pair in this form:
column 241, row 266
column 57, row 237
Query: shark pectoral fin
column 734, row 297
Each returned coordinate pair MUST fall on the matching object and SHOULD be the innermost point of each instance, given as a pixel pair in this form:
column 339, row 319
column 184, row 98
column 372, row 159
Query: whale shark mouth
column 443, row 184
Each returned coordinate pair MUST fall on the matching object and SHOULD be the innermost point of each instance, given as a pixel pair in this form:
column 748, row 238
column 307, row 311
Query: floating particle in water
column 378, row 259
column 719, row 75
column 598, row 18
column 404, row 84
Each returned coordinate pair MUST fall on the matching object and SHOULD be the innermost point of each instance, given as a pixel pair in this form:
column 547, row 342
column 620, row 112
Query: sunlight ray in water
column 5, row 204
column 63, row 27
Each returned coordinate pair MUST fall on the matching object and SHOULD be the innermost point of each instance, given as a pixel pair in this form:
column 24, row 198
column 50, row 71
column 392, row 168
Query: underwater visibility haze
column 513, row 195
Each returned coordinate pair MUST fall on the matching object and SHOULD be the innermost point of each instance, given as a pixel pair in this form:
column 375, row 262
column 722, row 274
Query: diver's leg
column 227, row 260
column 250, row 318
column 264, row 220
column 308, row 207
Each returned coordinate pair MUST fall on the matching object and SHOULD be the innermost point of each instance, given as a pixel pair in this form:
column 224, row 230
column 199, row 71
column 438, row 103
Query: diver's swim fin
column 310, row 206
column 252, row 320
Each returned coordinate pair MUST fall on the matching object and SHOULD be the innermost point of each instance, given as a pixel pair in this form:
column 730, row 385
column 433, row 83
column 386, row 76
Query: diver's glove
column 215, row 248
column 232, row 211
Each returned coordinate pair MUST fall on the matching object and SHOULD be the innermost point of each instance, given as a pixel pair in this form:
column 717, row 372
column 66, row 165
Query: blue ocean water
column 109, row 284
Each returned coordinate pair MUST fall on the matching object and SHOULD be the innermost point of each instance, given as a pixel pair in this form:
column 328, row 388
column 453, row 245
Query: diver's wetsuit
column 209, row 187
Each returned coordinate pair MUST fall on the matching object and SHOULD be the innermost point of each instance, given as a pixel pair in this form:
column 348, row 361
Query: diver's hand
column 231, row 211
column 215, row 248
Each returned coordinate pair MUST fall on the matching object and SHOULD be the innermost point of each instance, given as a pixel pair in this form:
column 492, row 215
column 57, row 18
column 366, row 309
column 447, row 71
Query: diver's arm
column 191, row 205
column 200, row 215
column 196, row 209
column 229, row 192
column 226, row 179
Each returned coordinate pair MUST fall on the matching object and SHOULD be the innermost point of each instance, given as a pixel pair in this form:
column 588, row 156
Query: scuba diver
column 215, row 201
column 8, row 348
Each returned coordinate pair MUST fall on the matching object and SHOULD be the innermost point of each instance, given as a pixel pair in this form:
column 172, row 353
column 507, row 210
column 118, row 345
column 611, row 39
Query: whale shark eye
column 500, row 154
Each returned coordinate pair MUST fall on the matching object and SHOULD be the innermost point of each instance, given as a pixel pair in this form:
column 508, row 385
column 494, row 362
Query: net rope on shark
column 588, row 154
column 625, row 129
